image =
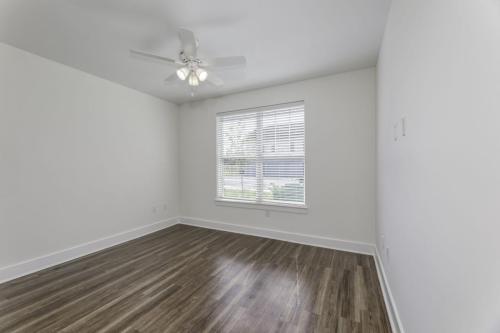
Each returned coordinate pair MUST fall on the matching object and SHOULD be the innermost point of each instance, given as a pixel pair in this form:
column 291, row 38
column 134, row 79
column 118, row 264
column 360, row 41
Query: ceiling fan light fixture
column 193, row 80
column 189, row 67
column 182, row 73
column 202, row 74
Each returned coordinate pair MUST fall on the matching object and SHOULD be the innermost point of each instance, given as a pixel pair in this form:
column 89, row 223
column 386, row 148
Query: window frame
column 300, row 208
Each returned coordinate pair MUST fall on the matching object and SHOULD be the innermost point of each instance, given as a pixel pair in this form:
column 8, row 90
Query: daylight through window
column 261, row 155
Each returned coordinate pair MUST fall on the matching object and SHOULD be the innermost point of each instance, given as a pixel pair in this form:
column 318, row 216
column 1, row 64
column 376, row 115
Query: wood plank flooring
column 188, row 279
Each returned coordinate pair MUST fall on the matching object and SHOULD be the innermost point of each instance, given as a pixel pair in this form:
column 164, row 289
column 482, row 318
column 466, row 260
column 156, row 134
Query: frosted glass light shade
column 202, row 74
column 182, row 73
column 193, row 80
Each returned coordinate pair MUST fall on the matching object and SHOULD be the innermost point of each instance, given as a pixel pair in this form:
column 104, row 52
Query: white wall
column 439, row 187
column 340, row 161
column 80, row 158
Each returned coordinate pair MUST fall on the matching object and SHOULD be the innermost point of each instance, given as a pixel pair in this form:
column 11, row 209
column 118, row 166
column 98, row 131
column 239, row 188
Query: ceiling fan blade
column 226, row 62
column 214, row 80
column 154, row 57
column 189, row 44
column 172, row 79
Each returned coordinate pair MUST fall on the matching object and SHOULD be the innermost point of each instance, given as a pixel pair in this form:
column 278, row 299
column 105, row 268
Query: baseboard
column 390, row 305
column 36, row 264
column 320, row 241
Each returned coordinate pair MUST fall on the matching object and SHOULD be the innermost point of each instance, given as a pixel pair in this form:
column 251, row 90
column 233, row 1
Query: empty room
column 250, row 166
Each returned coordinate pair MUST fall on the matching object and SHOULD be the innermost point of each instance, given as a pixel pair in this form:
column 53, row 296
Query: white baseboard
column 390, row 305
column 36, row 264
column 320, row 241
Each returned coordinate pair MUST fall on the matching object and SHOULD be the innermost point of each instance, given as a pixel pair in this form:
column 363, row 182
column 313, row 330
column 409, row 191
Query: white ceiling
column 283, row 40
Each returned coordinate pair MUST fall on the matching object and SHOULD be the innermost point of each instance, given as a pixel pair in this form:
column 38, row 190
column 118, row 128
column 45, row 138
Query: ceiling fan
column 191, row 68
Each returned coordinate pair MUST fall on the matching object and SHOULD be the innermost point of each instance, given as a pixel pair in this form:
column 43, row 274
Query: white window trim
column 278, row 207
column 301, row 208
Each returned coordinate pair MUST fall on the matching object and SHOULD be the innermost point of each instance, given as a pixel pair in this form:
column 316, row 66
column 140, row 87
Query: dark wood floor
column 187, row 279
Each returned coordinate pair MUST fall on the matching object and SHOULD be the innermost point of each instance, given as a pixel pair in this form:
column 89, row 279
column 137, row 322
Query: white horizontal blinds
column 237, row 156
column 261, row 155
column 283, row 155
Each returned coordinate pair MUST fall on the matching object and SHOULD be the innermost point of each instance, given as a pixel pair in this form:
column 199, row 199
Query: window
column 261, row 155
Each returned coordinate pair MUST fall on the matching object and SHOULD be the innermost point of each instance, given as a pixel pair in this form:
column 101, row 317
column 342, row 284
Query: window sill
column 297, row 209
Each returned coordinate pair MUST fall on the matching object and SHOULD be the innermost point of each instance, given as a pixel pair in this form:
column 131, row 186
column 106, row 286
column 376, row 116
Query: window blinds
column 261, row 155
